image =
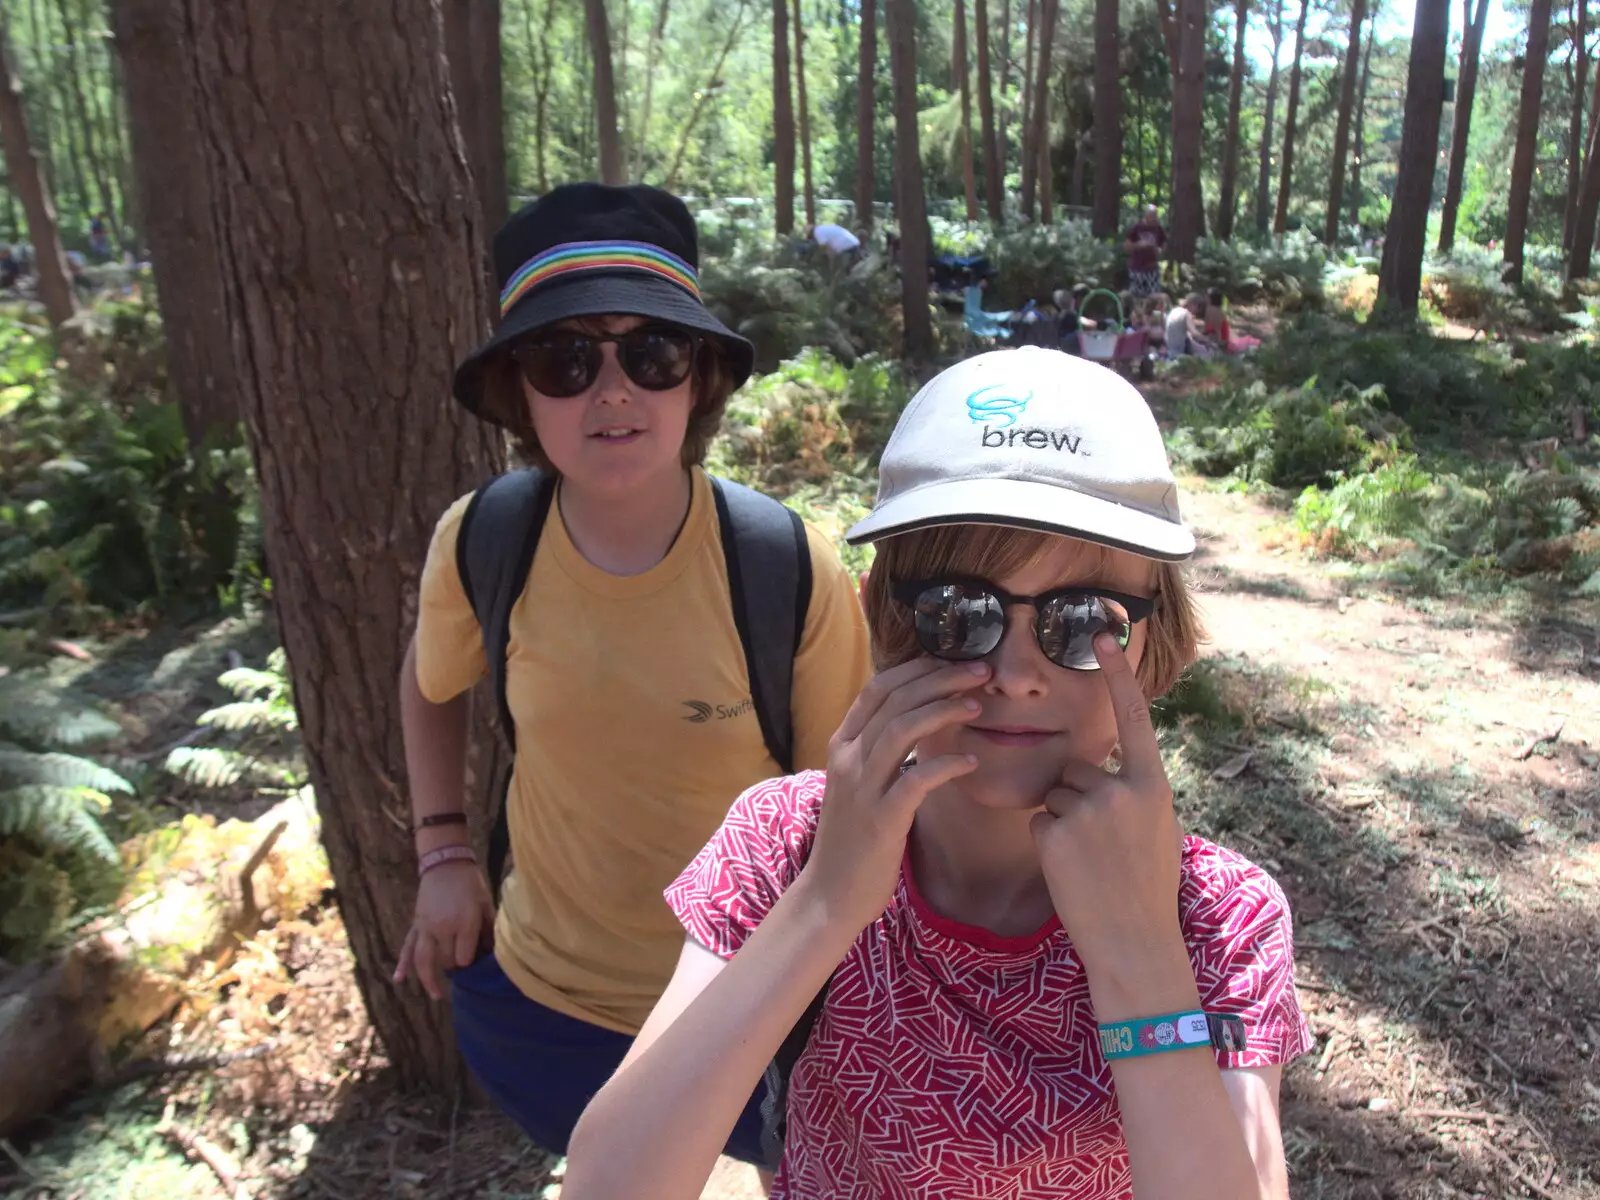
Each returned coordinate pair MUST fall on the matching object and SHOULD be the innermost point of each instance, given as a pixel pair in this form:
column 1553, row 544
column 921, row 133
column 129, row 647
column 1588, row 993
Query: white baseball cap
column 1035, row 439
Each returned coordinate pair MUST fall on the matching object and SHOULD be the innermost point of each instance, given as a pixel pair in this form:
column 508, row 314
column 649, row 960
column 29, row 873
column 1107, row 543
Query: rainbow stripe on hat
column 572, row 257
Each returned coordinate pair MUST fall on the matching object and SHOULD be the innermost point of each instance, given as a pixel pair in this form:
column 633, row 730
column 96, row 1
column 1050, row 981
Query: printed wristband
column 1175, row 1031
column 444, row 854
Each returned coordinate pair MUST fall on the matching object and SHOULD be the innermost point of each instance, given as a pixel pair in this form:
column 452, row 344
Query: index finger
column 1141, row 753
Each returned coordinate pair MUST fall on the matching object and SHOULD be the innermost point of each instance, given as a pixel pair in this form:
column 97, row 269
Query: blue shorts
column 541, row 1067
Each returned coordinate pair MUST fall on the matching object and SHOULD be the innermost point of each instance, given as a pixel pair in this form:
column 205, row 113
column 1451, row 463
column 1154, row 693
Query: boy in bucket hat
column 1036, row 987
column 658, row 640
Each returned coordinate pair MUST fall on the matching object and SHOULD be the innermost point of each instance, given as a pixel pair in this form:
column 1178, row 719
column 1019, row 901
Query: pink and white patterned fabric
column 953, row 1064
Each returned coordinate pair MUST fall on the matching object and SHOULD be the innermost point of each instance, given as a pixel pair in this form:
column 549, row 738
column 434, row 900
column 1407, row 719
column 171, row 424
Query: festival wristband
column 444, row 854
column 1175, row 1031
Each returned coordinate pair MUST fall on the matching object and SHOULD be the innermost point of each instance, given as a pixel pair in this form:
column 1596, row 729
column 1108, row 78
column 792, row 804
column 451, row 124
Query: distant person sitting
column 1070, row 320
column 1155, row 324
column 1143, row 245
column 78, row 269
column 1184, row 332
column 1218, row 329
column 838, row 241
column 99, row 238
column 10, row 268
column 984, row 324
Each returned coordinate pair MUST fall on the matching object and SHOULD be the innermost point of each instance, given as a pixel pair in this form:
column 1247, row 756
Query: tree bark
column 26, row 173
column 70, row 141
column 358, row 448
column 1580, row 72
column 805, row 117
column 1188, row 116
column 1527, row 150
column 1361, row 121
column 993, row 168
column 713, row 83
column 1264, row 172
column 86, row 131
column 539, row 48
column 1579, row 254
column 472, row 47
column 1029, row 162
column 1400, row 276
column 176, row 196
column 605, row 94
column 1002, row 146
column 1108, row 118
column 958, row 54
column 1280, row 219
column 1341, row 131
column 1226, row 200
column 866, row 113
column 782, row 122
column 900, row 21
column 1039, row 115
column 1466, row 90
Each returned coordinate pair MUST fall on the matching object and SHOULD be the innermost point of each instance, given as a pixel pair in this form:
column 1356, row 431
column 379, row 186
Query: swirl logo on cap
column 992, row 403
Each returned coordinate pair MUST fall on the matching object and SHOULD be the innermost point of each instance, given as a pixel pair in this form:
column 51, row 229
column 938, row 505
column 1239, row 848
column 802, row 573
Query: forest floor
column 1420, row 772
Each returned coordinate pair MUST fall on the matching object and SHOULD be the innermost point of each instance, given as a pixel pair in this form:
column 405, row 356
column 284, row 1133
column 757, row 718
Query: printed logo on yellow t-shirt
column 701, row 712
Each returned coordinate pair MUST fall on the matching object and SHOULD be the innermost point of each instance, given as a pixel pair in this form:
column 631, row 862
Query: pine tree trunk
column 1580, row 74
column 1002, row 145
column 1580, row 253
column 26, row 173
column 866, row 113
column 900, row 21
column 805, row 117
column 1047, row 214
column 1039, row 115
column 1466, row 91
column 71, row 139
column 1107, row 118
column 176, row 196
column 1400, row 276
column 782, row 122
column 958, row 54
column 1360, row 155
column 993, row 168
column 1028, row 164
column 358, row 448
column 1341, row 132
column 1280, row 219
column 99, row 140
column 472, row 47
column 1188, row 116
column 605, row 94
column 1264, row 171
column 539, row 49
column 1522, row 159
column 1226, row 200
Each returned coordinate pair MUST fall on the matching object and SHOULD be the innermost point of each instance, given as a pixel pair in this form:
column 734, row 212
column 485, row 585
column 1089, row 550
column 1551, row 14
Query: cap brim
column 593, row 296
column 1024, row 504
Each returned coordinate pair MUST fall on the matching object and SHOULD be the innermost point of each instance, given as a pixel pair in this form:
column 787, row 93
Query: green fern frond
column 61, row 820
column 246, row 682
column 208, row 766
column 32, row 712
column 26, row 768
column 251, row 716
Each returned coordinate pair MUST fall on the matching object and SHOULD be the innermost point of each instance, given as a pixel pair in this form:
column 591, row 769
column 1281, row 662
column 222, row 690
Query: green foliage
column 103, row 506
column 253, row 734
column 1287, row 437
column 56, row 858
column 1287, row 270
column 1032, row 261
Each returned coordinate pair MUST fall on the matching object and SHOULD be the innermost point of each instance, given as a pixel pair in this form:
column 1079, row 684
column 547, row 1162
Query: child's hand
column 1111, row 851
column 869, row 803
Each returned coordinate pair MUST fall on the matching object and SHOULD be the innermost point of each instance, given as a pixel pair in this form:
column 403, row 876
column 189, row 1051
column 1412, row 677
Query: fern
column 208, row 766
column 26, row 768
column 39, row 715
column 254, row 730
column 59, row 820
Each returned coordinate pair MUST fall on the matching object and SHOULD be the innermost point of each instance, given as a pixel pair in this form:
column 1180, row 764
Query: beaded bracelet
column 1175, row 1031
column 444, row 854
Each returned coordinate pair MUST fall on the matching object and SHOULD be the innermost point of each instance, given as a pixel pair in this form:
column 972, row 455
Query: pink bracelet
column 444, row 854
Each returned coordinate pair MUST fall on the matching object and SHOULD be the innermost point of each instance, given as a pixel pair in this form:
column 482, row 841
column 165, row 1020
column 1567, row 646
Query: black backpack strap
column 769, row 579
column 495, row 545
column 775, row 1102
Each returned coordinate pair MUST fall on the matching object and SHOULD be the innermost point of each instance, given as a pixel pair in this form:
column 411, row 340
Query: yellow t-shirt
column 635, row 733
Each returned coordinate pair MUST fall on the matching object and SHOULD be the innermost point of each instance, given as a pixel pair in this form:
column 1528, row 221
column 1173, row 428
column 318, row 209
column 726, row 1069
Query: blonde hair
column 711, row 382
column 1172, row 638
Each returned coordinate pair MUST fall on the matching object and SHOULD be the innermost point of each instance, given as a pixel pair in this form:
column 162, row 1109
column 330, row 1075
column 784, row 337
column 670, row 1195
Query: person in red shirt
column 1143, row 244
column 1034, row 985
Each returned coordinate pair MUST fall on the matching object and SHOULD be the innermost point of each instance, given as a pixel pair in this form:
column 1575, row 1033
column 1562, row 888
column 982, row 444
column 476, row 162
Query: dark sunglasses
column 964, row 619
column 564, row 362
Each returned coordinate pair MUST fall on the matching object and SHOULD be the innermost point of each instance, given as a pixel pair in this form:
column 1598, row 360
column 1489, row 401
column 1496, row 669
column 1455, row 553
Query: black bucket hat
column 586, row 249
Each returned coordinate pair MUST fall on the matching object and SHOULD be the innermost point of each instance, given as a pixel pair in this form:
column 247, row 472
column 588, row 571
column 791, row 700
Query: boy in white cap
column 1034, row 985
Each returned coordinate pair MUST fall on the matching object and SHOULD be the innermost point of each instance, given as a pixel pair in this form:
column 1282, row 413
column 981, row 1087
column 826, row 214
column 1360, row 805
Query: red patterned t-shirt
column 953, row 1064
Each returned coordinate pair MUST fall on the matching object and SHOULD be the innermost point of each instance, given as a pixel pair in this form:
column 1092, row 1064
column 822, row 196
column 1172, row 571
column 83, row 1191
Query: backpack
column 769, row 580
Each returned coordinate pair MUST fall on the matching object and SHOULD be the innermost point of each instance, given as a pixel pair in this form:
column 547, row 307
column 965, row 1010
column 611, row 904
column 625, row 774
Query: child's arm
column 657, row 1126
column 1113, row 865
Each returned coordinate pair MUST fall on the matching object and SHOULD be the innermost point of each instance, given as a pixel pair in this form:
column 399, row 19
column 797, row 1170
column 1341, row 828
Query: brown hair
column 711, row 383
column 1172, row 639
